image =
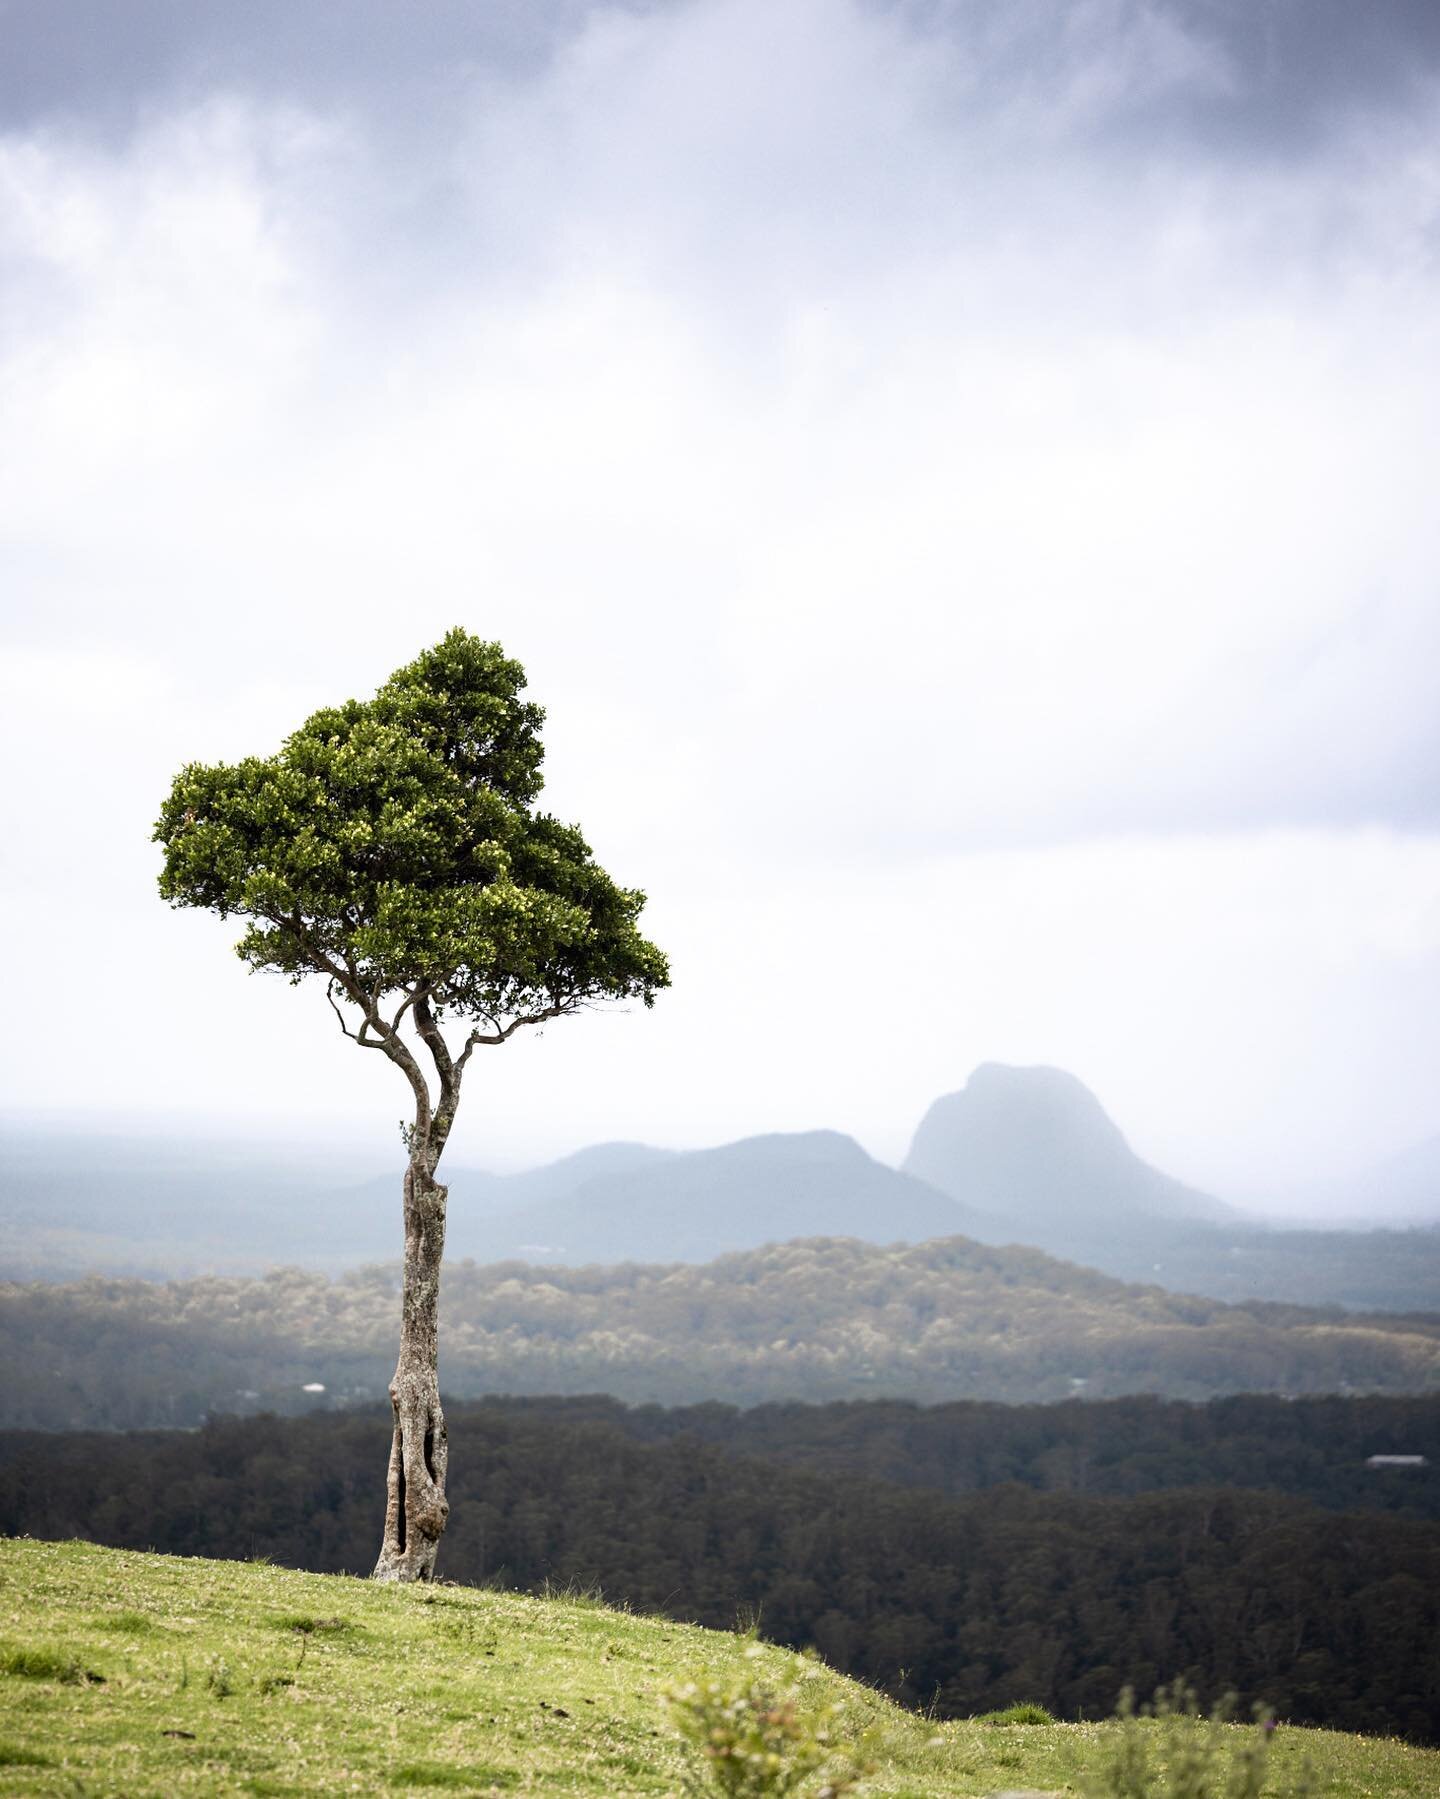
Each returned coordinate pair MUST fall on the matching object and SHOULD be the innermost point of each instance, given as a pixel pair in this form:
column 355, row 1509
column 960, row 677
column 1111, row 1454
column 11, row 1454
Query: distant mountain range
column 703, row 1203
column 1019, row 1155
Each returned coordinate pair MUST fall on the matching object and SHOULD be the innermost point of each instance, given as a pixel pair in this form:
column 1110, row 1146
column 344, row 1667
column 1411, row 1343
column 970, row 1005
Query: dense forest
column 964, row 1602
column 818, row 1319
column 1316, row 1449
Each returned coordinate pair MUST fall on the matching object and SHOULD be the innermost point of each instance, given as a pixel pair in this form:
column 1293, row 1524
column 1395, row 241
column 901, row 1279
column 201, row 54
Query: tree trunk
column 416, row 1507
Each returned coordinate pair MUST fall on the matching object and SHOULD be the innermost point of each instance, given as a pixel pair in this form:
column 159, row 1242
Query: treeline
column 1313, row 1449
column 820, row 1319
column 964, row 1602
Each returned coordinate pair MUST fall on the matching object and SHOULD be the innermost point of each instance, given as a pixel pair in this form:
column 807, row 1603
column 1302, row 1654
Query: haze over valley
column 1019, row 1155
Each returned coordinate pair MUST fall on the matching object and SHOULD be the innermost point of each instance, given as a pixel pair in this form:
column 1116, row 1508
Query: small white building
column 1397, row 1461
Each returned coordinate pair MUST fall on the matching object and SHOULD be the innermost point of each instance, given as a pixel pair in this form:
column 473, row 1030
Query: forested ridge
column 818, row 1319
column 965, row 1601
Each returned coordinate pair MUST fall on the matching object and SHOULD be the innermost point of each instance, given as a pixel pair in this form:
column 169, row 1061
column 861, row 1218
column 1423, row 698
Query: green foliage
column 393, row 844
column 759, row 1741
column 1169, row 1750
column 219, row 1679
column 1024, row 1713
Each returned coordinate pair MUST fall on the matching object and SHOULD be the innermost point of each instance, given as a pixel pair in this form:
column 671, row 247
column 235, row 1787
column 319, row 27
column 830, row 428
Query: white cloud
column 933, row 524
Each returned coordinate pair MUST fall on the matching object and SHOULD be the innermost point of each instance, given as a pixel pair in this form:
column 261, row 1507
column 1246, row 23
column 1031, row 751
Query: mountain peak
column 1035, row 1145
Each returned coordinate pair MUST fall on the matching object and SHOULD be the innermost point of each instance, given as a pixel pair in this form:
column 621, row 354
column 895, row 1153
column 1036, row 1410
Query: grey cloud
column 93, row 59
column 1262, row 77
column 875, row 317
column 1266, row 77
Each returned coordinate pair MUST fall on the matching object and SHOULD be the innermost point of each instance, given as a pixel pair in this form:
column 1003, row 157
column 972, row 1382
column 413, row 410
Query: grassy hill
column 149, row 1675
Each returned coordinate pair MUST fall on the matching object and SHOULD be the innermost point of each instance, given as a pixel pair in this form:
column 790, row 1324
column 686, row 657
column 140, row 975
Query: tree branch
column 347, row 976
column 428, row 1026
column 410, row 999
column 354, row 1036
column 503, row 1033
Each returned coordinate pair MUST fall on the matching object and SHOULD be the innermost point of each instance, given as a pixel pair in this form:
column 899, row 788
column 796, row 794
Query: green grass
column 227, row 1677
column 1018, row 1714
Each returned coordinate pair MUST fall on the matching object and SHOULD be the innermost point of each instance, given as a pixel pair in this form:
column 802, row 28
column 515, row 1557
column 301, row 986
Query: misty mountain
column 1041, row 1162
column 488, row 1213
column 161, row 1207
column 156, row 1209
column 1034, row 1148
column 688, row 1207
column 1021, row 1155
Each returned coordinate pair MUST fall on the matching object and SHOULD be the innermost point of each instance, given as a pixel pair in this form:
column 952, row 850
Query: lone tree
column 392, row 850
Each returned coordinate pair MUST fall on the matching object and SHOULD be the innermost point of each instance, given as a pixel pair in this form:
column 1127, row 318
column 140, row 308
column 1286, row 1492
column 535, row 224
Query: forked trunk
column 416, row 1507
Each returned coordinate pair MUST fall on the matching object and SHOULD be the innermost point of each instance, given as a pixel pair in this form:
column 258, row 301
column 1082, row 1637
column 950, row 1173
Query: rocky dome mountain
column 1035, row 1148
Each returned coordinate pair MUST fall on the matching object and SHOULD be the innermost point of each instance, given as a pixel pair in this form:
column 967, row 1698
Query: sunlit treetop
column 392, row 847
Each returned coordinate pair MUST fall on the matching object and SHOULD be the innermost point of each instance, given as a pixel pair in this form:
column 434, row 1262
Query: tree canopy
column 392, row 847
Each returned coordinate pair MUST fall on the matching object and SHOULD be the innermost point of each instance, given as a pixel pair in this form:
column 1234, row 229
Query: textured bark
column 416, row 1507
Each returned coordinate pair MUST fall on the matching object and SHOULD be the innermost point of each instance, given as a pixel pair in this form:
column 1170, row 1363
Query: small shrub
column 1017, row 1714
column 573, row 1591
column 15, row 1755
column 760, row 1742
column 1170, row 1750
column 304, row 1625
column 42, row 1664
column 129, row 1624
column 219, row 1678
column 442, row 1774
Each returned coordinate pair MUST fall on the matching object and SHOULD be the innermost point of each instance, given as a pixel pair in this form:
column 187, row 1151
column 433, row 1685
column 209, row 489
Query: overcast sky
column 961, row 477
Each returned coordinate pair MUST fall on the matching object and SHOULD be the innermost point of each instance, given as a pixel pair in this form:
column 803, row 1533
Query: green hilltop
column 136, row 1674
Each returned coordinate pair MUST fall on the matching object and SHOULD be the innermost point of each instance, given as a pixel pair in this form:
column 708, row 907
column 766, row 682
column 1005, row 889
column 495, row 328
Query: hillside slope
column 823, row 1318
column 228, row 1678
